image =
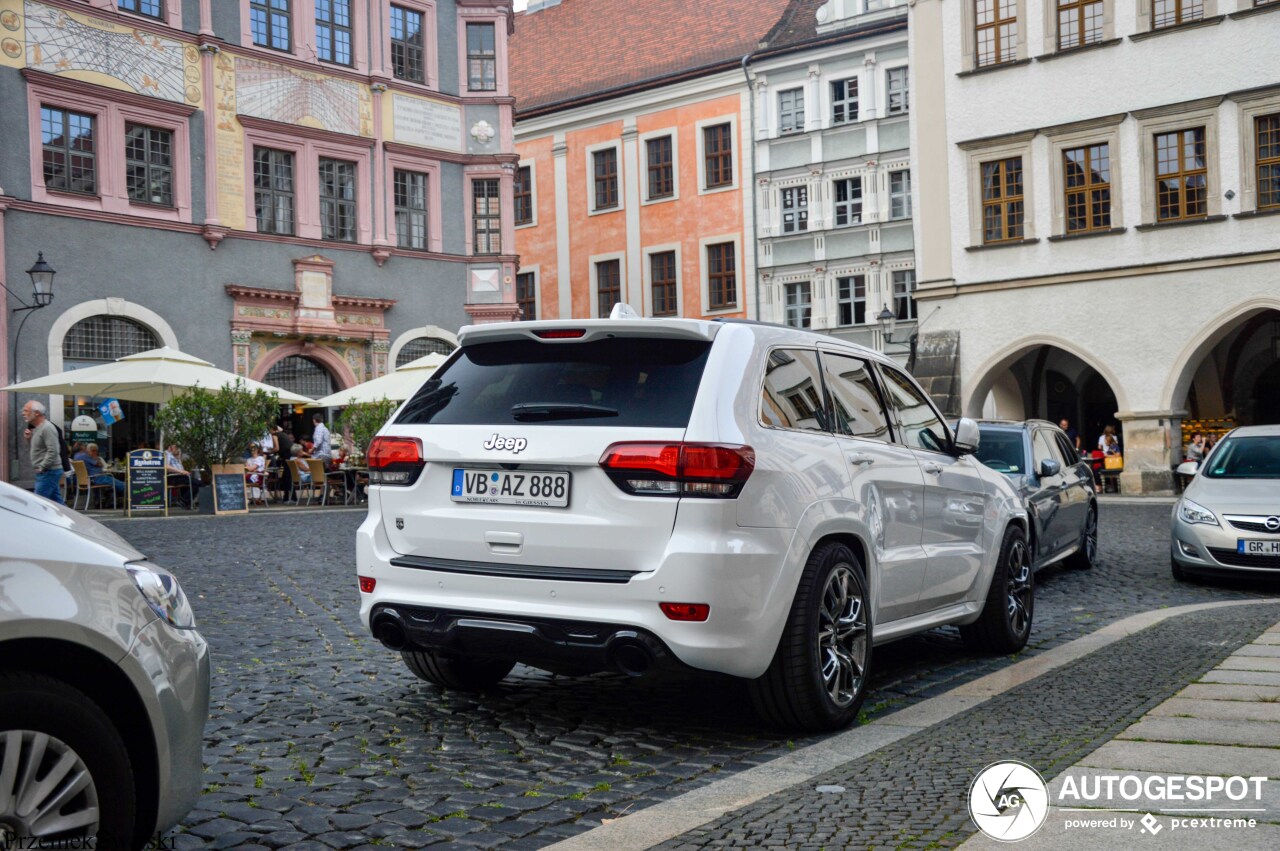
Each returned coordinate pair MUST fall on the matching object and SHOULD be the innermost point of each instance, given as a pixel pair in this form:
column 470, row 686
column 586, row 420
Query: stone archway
column 342, row 374
column 997, row 372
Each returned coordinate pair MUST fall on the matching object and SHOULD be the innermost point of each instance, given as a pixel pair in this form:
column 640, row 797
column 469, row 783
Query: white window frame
column 732, row 120
column 797, row 92
column 593, row 302
column 829, row 112
column 892, row 299
column 884, row 85
column 868, row 317
column 787, row 306
column 589, row 153
column 647, row 275
column 889, row 216
column 704, row 273
column 861, row 181
column 782, row 209
column 644, row 138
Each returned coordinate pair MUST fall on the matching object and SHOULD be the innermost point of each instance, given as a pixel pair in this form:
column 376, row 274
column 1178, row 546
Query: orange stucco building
column 634, row 184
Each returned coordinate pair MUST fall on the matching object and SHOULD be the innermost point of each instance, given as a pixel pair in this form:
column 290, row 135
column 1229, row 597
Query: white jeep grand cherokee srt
column 624, row 494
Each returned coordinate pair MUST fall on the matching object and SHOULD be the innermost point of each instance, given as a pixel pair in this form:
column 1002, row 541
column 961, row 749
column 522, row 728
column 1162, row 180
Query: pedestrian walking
column 46, row 456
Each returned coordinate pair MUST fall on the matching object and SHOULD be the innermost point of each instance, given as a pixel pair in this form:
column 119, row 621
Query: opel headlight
column 1191, row 512
column 162, row 592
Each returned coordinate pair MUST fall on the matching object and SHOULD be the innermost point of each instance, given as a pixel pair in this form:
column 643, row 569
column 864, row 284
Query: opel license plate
column 546, row 489
column 1258, row 548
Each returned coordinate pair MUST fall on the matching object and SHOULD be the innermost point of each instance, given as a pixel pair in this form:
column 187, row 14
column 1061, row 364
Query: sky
column 520, row 4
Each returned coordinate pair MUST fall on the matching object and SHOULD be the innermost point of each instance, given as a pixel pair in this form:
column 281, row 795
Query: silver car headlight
column 1191, row 512
column 162, row 592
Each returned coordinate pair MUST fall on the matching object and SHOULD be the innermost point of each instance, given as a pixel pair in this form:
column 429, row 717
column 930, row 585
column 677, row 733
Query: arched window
column 421, row 347
column 107, row 338
column 301, row 375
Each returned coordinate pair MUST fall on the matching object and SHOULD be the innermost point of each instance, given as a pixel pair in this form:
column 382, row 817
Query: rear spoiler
column 592, row 329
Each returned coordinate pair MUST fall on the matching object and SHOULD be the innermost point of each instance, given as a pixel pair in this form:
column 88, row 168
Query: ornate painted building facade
column 301, row 191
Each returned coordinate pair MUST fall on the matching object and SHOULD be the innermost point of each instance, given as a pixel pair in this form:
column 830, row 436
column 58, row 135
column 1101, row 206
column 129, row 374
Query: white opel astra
column 1228, row 519
column 627, row 494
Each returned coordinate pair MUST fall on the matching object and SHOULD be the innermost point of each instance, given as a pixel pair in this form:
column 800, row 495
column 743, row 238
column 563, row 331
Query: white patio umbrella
column 394, row 386
column 155, row 376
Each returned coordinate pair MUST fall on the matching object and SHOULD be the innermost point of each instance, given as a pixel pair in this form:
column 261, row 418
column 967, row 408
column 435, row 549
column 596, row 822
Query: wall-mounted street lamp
column 888, row 324
column 41, row 275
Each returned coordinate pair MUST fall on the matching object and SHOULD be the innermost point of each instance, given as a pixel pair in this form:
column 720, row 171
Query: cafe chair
column 85, row 485
column 319, row 479
column 176, row 486
column 296, row 468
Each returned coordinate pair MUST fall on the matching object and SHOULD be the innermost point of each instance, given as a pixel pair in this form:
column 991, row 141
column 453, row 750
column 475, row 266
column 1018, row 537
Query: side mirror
column 1188, row 468
column 967, row 437
column 1050, row 467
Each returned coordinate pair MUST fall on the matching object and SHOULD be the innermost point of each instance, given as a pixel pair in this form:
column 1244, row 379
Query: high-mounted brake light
column 561, row 333
column 679, row 469
column 395, row 460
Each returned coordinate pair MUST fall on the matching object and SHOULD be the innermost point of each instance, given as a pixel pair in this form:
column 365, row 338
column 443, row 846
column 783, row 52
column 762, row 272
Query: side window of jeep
column 792, row 395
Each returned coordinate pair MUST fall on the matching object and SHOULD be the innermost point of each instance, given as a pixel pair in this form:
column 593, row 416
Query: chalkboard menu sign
column 229, row 493
column 146, row 491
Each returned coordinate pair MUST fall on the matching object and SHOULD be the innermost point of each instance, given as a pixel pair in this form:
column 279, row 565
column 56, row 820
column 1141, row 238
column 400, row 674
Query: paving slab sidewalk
column 1226, row 724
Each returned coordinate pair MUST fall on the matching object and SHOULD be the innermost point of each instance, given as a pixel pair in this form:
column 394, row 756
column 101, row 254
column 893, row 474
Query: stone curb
column 686, row 812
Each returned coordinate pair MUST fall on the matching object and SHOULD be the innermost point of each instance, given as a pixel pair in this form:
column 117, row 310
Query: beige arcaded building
column 1095, row 230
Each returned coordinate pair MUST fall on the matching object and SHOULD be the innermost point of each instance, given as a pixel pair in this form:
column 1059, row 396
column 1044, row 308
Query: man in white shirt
column 320, row 439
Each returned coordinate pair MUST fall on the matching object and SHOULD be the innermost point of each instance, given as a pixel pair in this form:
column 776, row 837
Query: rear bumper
column 746, row 576
column 568, row 646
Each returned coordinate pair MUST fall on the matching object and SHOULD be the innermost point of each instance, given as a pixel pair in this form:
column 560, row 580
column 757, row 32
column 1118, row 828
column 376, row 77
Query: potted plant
column 363, row 420
column 215, row 427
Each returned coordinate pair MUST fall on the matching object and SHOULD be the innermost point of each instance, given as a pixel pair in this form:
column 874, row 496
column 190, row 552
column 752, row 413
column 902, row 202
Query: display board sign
column 145, row 490
column 84, row 429
column 230, row 496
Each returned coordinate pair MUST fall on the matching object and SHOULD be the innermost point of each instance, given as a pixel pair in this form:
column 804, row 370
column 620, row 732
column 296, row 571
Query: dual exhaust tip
column 627, row 652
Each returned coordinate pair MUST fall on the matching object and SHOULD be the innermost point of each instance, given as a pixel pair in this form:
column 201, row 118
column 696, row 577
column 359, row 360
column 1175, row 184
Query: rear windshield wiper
column 530, row 411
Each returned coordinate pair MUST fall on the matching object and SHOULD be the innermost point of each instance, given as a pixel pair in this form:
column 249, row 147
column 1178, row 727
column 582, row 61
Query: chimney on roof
column 539, row 5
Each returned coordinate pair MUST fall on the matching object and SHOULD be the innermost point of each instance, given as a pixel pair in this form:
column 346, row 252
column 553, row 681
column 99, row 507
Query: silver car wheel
column 46, row 790
column 842, row 636
column 1018, row 571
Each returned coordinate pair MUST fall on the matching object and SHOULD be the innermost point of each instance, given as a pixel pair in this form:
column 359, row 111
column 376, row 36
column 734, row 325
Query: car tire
column 457, row 672
column 1084, row 558
column 41, row 715
column 815, row 682
column 1005, row 623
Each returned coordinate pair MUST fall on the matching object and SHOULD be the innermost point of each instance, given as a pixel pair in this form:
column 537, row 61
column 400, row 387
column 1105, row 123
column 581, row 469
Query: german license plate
column 507, row 487
column 1258, row 548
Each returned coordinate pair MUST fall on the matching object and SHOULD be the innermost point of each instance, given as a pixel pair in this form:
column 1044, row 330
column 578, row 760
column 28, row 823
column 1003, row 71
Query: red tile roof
column 582, row 49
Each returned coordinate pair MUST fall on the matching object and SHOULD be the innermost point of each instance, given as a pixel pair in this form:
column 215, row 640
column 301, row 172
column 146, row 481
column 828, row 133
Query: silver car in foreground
column 1228, row 519
column 104, row 684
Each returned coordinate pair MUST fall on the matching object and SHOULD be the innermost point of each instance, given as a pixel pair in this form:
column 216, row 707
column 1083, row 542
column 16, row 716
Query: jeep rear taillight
column 395, row 461
column 714, row 470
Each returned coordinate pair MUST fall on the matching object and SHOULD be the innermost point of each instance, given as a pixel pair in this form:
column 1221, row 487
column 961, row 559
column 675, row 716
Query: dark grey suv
column 1055, row 485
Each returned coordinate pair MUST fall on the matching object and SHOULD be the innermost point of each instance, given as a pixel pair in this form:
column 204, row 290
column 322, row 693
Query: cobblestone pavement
column 319, row 736
column 913, row 793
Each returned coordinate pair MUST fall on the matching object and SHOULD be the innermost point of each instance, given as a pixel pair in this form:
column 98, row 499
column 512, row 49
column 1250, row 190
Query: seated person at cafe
column 93, row 465
column 178, row 475
column 255, row 470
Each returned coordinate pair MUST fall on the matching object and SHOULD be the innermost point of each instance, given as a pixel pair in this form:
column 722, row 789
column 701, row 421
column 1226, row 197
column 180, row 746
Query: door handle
column 861, row 459
column 933, row 469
